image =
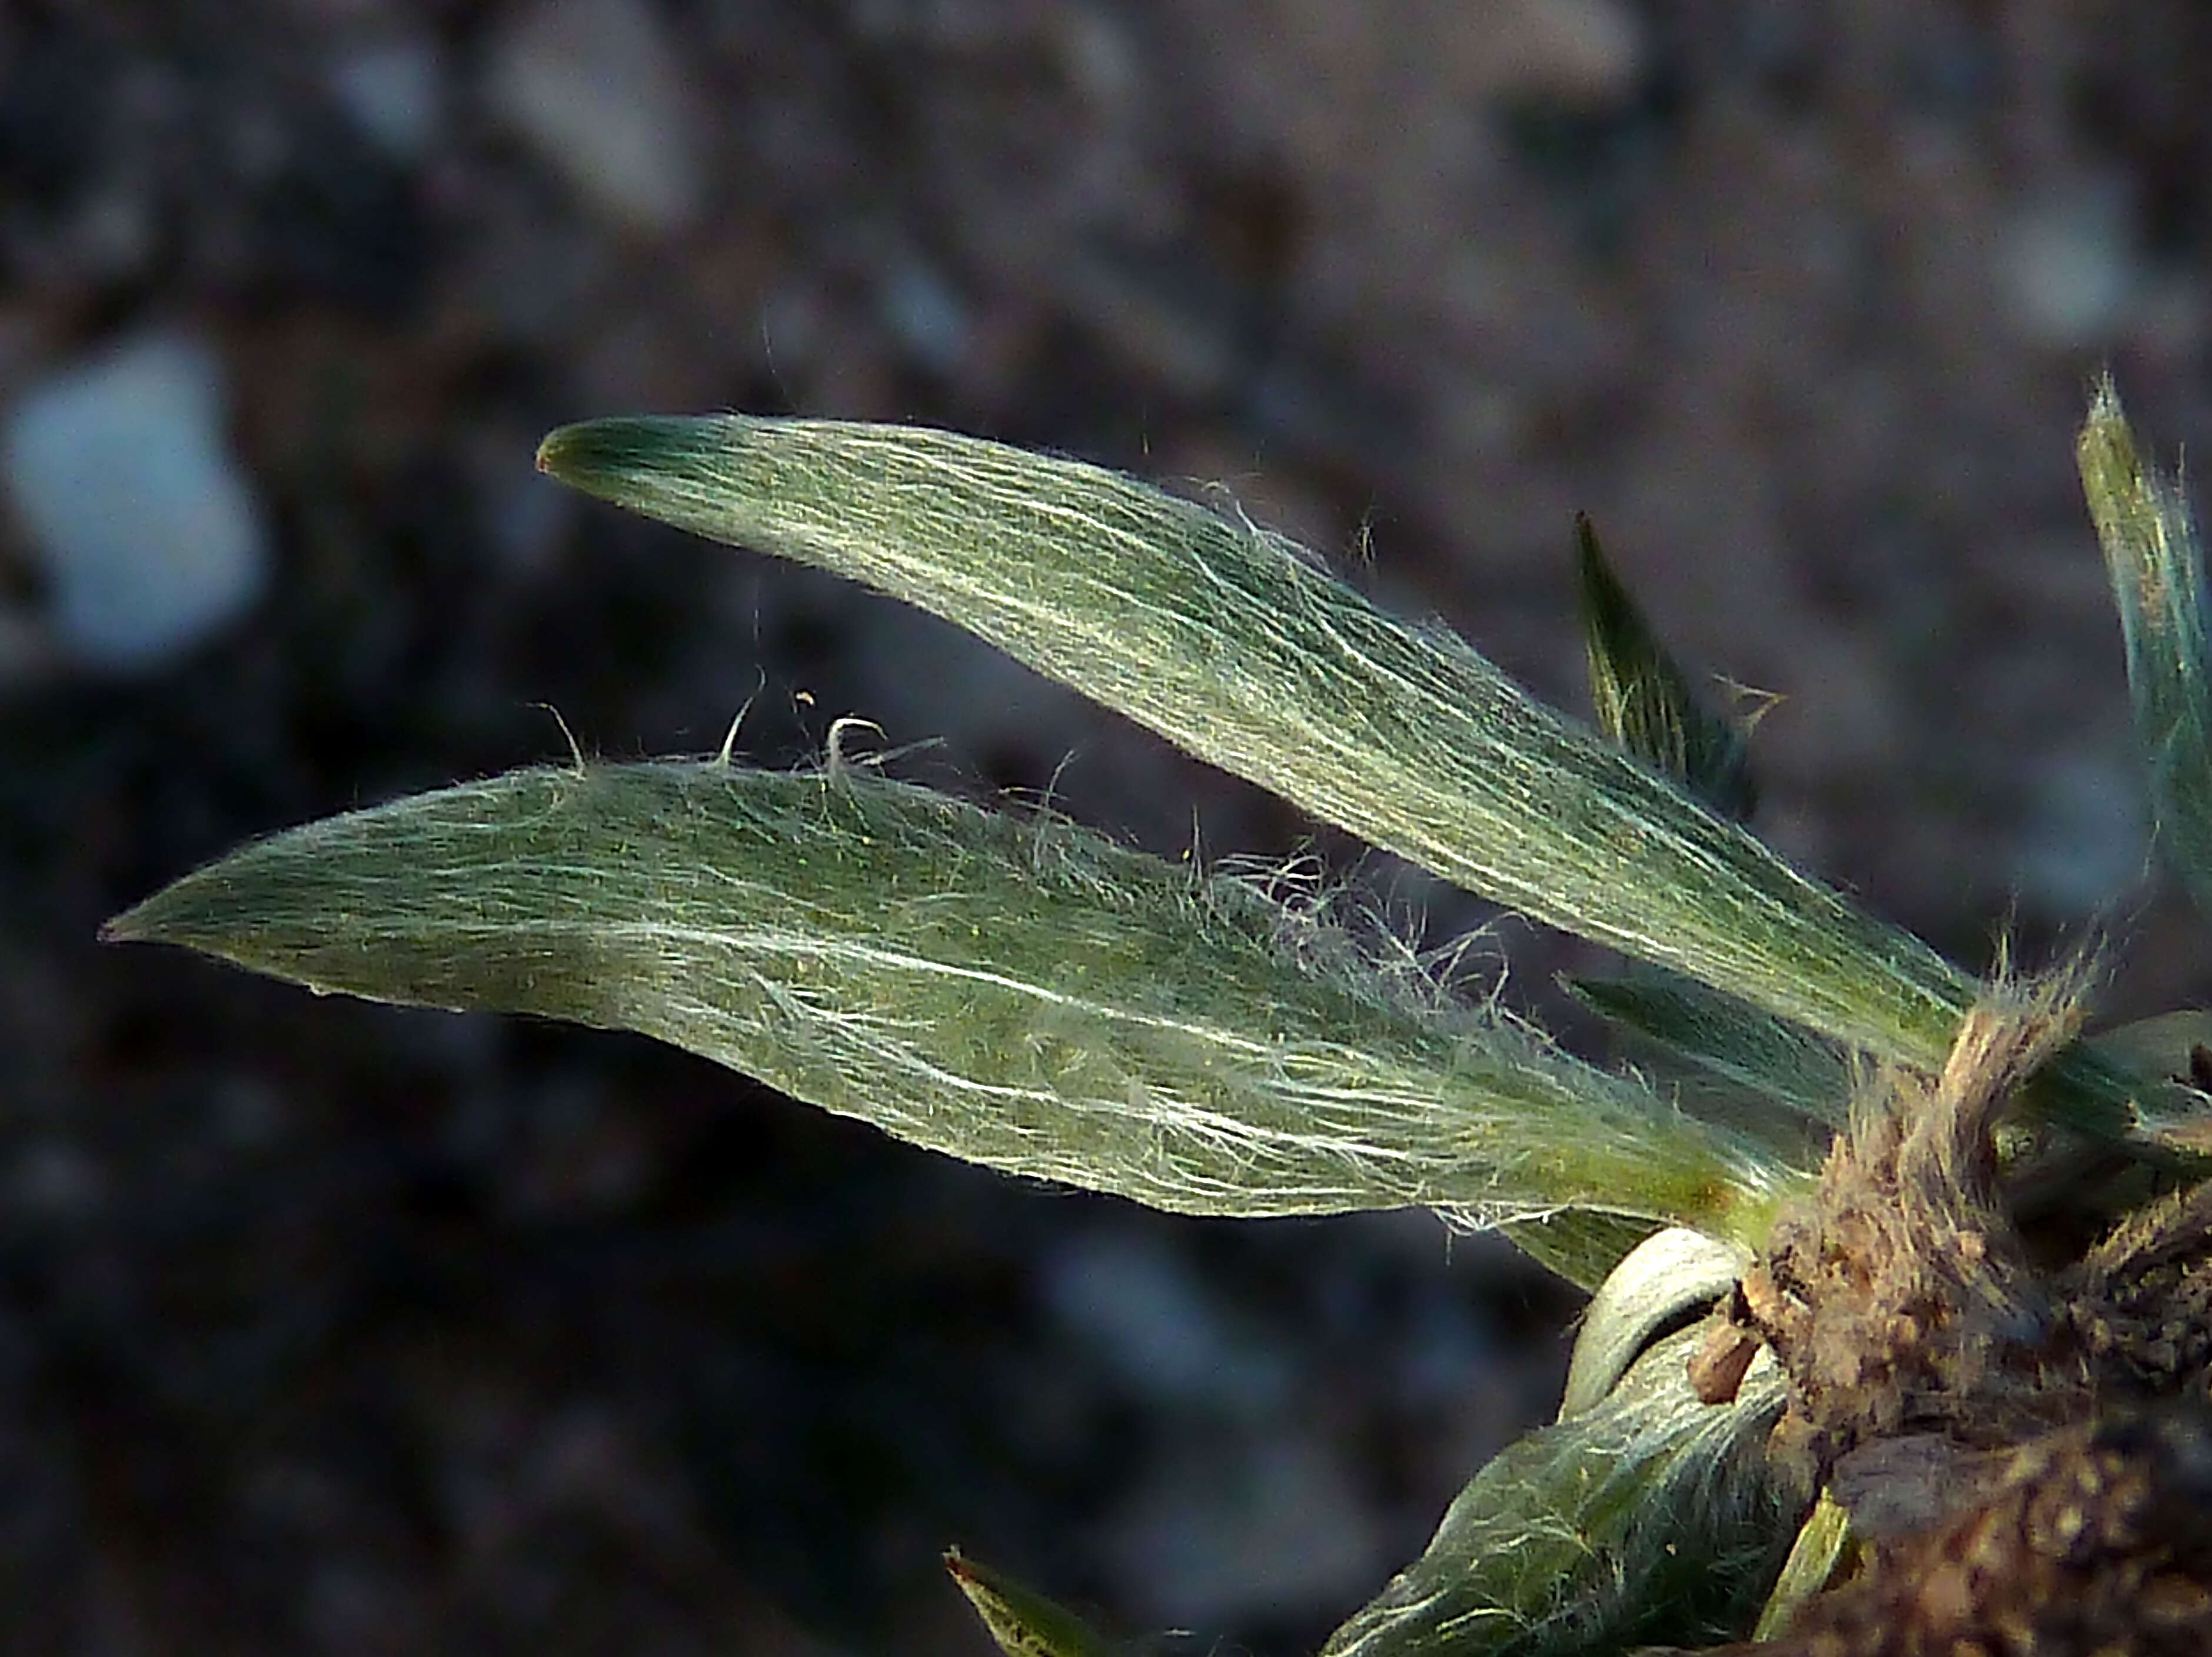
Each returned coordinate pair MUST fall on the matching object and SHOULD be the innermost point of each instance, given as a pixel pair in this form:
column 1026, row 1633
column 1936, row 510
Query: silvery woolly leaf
column 1582, row 1245
column 1230, row 642
column 1649, row 1517
column 1233, row 645
column 1699, row 1027
column 2157, row 571
column 1021, row 994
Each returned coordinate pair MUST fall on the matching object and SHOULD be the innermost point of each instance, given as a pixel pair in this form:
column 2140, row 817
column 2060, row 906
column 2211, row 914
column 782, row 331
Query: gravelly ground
column 328, row 1329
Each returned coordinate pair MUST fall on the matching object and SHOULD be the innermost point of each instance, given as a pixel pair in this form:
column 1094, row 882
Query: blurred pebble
column 1575, row 52
column 2084, row 837
column 111, row 237
column 2067, row 269
column 1096, row 54
column 142, row 520
column 348, row 1604
column 395, row 92
column 1162, row 323
column 526, row 520
column 52, row 1179
column 596, row 87
column 246, row 1113
column 793, row 320
column 1148, row 1316
column 1238, row 1528
column 925, row 316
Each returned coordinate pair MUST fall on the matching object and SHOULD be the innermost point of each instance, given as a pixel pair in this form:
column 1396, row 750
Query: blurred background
column 326, row 1328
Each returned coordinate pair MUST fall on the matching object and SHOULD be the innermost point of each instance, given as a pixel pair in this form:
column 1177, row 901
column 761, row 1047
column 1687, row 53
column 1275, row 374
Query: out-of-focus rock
column 394, row 91
column 1575, row 50
column 120, row 471
column 2083, row 843
column 2067, row 269
column 1242, row 1527
column 595, row 86
column 54, row 1178
column 926, row 314
column 1142, row 1310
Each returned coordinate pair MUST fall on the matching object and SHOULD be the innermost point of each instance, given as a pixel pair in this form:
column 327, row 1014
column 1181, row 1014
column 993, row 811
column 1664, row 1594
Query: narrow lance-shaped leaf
column 2157, row 570
column 1024, row 994
column 1642, row 699
column 1021, row 1622
column 1223, row 640
column 2176, row 1046
column 1716, row 1033
column 1582, row 1245
column 1823, row 1543
column 1649, row 1517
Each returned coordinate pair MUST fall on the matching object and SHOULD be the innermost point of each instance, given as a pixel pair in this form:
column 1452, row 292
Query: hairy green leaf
column 1582, row 1245
column 1644, row 701
column 2157, row 571
column 1700, row 1027
column 1227, row 641
column 1021, row 1622
column 1649, row 1517
column 1021, row 994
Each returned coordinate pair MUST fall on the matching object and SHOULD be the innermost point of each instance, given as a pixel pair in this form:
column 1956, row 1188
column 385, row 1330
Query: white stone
column 146, row 526
column 595, row 87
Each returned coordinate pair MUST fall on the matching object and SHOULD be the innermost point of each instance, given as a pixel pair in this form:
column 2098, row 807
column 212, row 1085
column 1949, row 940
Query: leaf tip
column 155, row 919
column 962, row 1570
column 2106, row 448
column 550, row 449
column 600, row 456
column 144, row 922
column 1021, row 1622
column 577, row 452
